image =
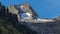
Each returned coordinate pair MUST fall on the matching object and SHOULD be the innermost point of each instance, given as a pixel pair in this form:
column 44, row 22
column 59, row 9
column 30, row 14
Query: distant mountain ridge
column 22, row 18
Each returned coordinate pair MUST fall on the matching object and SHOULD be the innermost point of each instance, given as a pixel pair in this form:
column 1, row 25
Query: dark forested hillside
column 6, row 24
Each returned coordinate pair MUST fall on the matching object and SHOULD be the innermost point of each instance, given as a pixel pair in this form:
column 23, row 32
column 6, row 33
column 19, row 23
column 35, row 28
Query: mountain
column 22, row 19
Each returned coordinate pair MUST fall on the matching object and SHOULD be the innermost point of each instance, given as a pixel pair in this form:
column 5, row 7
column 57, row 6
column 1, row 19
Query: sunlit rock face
column 26, row 8
column 12, row 9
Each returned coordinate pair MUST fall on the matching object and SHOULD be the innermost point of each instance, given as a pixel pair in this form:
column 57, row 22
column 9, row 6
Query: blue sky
column 44, row 8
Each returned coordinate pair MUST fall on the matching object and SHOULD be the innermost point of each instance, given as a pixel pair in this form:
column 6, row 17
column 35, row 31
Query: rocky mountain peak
column 23, row 10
